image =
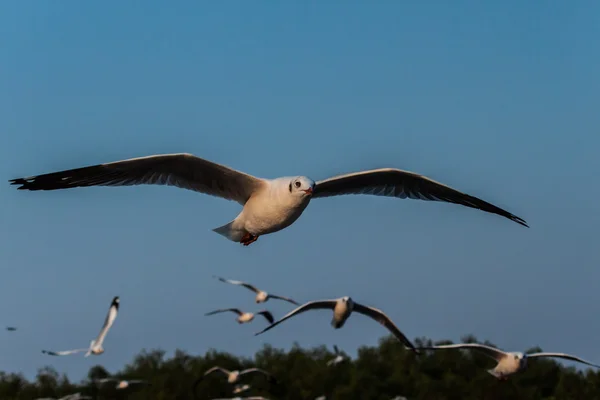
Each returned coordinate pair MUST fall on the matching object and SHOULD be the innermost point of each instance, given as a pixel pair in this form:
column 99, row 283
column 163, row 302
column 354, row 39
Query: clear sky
column 499, row 100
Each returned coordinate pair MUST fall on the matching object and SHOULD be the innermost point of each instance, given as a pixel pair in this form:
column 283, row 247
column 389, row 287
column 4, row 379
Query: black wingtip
column 519, row 221
column 19, row 181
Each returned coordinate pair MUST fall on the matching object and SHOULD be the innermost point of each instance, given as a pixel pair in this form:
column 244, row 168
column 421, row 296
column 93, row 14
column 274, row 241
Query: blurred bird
column 261, row 295
column 96, row 345
column 244, row 317
column 342, row 309
column 508, row 363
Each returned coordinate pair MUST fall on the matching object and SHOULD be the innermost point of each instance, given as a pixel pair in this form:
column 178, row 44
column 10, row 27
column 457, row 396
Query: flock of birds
column 268, row 206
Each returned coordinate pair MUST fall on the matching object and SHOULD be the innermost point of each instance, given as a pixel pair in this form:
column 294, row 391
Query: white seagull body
column 261, row 295
column 342, row 309
column 244, row 317
column 96, row 345
column 123, row 383
column 240, row 388
column 508, row 363
column 244, row 398
column 269, row 205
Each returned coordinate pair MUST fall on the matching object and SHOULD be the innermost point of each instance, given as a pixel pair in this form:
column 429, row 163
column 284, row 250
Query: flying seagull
column 269, row 205
column 240, row 388
column 96, row 345
column 244, row 398
column 261, row 295
column 509, row 363
column 244, row 317
column 123, row 383
column 234, row 376
column 339, row 357
column 342, row 309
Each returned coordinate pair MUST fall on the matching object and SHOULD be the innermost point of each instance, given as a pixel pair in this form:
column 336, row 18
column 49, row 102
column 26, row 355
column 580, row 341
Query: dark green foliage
column 378, row 373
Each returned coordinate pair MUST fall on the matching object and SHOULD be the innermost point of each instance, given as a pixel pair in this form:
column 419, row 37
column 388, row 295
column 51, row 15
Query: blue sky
column 499, row 100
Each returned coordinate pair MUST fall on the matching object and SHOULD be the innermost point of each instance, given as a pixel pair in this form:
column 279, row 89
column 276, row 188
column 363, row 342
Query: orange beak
column 309, row 191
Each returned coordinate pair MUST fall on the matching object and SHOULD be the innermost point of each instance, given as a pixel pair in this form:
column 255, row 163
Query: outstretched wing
column 391, row 182
column 244, row 284
column 108, row 321
column 384, row 320
column 311, row 305
column 270, row 377
column 268, row 316
column 563, row 356
column 63, row 352
column 182, row 170
column 222, row 310
column 284, row 298
column 489, row 351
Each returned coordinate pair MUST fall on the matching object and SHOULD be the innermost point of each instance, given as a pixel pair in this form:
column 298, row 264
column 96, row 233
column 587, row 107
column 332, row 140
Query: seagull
column 509, row 363
column 261, row 295
column 240, row 388
column 233, row 376
column 96, row 345
column 74, row 396
column 122, row 383
column 269, row 205
column 244, row 317
column 338, row 359
column 244, row 398
column 342, row 309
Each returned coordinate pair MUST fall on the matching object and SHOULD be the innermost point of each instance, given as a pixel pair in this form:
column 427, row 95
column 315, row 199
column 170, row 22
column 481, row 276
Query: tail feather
column 230, row 232
column 90, row 349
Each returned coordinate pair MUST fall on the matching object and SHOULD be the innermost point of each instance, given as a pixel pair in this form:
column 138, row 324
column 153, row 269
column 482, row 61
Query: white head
column 348, row 301
column 301, row 186
column 261, row 296
column 520, row 358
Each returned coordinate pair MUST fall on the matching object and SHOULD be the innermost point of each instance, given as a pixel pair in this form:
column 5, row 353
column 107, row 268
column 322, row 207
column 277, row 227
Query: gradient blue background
column 498, row 100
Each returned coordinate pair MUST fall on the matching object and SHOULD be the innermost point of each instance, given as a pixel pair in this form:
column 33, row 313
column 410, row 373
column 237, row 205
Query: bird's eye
column 297, row 184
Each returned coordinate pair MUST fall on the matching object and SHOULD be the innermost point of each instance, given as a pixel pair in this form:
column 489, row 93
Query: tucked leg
column 248, row 239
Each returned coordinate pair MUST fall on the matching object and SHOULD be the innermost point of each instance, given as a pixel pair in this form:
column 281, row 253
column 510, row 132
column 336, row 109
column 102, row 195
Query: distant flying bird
column 342, row 309
column 240, row 388
column 233, row 376
column 509, row 363
column 269, row 205
column 74, row 396
column 244, row 398
column 96, row 345
column 123, row 383
column 338, row 359
column 261, row 295
column 244, row 317
column 11, row 328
